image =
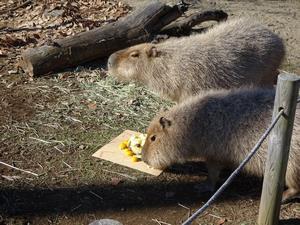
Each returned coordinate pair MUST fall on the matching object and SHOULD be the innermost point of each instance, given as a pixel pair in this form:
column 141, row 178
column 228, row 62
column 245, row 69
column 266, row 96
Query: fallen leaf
column 221, row 221
column 2, row 54
column 115, row 181
column 92, row 105
column 10, row 41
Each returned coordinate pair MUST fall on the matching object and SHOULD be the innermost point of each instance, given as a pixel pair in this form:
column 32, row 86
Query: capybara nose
column 111, row 60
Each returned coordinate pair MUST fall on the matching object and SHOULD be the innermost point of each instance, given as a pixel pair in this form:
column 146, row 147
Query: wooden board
column 112, row 153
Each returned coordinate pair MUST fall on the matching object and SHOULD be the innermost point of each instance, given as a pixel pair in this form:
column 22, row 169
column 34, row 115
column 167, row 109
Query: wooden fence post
column 278, row 150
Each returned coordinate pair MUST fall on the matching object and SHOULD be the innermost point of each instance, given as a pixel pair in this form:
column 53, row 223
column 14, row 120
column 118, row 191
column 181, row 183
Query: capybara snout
column 127, row 64
column 112, row 61
column 160, row 130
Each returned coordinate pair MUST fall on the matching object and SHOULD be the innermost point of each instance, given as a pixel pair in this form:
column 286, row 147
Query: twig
column 121, row 174
column 212, row 215
column 68, row 170
column 40, row 140
column 59, row 150
column 98, row 196
column 73, row 119
column 77, row 207
column 10, row 178
column 160, row 222
column 47, row 142
column 187, row 208
column 59, row 142
column 16, row 168
column 67, row 165
column 184, row 26
column 40, row 166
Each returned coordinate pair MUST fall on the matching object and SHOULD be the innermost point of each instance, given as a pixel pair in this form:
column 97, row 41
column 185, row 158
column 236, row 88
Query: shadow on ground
column 290, row 222
column 129, row 195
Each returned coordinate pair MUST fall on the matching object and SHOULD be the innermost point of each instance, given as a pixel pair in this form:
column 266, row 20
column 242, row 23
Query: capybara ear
column 164, row 122
column 152, row 52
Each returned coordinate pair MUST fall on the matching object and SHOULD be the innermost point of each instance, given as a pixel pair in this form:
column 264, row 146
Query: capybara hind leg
column 214, row 170
column 290, row 194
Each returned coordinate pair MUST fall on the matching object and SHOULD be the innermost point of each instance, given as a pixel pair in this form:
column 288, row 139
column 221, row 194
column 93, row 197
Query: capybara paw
column 289, row 195
column 204, row 187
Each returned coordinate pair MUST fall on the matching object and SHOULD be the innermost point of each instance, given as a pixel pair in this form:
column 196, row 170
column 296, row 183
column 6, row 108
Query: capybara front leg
column 214, row 170
column 209, row 185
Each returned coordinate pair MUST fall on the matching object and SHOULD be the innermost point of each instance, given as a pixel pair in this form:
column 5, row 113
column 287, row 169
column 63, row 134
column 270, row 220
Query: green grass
column 73, row 117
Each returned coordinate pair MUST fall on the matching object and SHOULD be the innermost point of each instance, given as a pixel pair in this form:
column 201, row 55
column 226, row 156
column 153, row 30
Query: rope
column 235, row 172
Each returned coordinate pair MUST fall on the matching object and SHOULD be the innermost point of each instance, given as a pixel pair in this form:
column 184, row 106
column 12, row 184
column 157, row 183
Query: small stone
column 12, row 72
column 105, row 222
column 54, row 13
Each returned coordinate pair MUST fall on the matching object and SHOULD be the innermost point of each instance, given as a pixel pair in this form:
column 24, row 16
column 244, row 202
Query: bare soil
column 52, row 125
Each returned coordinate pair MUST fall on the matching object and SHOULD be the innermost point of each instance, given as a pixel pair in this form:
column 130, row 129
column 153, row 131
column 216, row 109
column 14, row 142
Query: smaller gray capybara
column 220, row 128
column 231, row 54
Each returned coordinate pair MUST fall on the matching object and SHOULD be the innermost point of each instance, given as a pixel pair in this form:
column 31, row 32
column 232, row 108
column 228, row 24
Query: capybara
column 220, row 128
column 231, row 54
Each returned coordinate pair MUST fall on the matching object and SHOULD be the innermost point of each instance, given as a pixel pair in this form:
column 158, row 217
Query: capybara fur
column 221, row 128
column 231, row 54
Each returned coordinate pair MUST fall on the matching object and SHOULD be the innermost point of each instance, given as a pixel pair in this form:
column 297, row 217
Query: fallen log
column 140, row 26
column 184, row 26
column 135, row 28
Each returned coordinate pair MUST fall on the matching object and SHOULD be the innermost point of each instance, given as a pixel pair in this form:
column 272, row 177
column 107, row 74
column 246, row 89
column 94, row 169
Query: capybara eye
column 152, row 138
column 134, row 54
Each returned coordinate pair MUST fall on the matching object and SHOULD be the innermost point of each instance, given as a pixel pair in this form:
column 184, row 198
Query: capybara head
column 163, row 144
column 128, row 64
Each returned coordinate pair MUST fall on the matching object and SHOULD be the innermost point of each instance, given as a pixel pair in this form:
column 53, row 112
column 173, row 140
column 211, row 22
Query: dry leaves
column 92, row 106
column 222, row 221
column 116, row 181
column 3, row 53
column 10, row 40
column 28, row 23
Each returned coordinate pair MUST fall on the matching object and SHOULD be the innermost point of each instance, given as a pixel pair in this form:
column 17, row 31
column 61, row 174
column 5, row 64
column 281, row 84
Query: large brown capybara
column 229, row 55
column 220, row 127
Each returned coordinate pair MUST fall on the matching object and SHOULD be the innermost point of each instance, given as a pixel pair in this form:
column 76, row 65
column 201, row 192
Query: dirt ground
column 52, row 125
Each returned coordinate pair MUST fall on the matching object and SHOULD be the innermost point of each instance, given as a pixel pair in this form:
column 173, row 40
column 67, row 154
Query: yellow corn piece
column 123, row 145
column 129, row 152
column 135, row 159
column 127, row 149
column 133, row 146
